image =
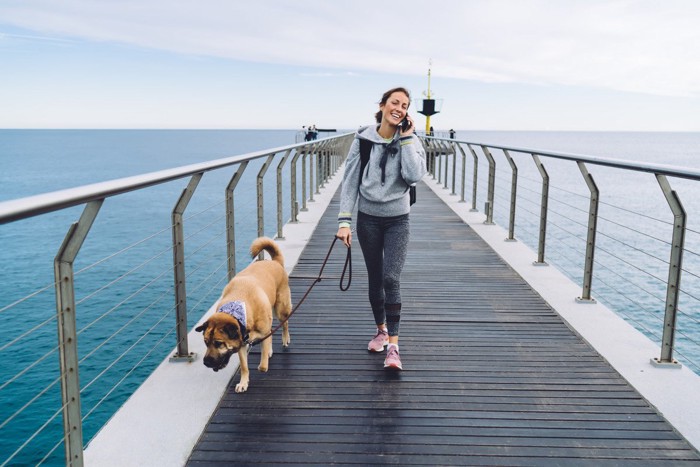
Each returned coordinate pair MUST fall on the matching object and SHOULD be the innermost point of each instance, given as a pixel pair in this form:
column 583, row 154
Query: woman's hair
column 385, row 97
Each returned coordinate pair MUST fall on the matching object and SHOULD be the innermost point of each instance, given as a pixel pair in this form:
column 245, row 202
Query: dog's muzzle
column 217, row 364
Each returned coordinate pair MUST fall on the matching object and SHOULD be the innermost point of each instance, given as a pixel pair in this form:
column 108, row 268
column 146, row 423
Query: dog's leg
column 285, row 334
column 283, row 309
column 265, row 354
column 242, row 386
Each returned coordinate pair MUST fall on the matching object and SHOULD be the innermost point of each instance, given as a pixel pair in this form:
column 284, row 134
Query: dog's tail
column 269, row 245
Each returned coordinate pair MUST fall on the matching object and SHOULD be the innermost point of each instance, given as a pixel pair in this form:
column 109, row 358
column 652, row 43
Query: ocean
column 635, row 216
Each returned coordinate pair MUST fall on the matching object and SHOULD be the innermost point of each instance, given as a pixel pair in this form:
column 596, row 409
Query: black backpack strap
column 365, row 149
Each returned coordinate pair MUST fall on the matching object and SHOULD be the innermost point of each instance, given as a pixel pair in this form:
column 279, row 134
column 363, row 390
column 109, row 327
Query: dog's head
column 223, row 338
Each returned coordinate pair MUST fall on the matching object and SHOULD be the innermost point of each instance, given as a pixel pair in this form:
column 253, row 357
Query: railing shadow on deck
column 622, row 235
column 131, row 296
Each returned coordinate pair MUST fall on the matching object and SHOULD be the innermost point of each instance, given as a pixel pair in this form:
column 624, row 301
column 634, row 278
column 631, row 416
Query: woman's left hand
column 409, row 130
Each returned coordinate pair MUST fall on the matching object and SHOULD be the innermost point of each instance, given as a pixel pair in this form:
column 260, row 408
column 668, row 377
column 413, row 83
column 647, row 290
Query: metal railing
column 318, row 160
column 550, row 225
column 447, row 156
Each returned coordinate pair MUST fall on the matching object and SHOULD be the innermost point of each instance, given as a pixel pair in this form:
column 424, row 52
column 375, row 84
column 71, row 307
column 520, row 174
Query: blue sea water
column 39, row 161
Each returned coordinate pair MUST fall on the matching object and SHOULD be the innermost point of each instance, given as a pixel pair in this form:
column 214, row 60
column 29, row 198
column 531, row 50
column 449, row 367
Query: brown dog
column 244, row 312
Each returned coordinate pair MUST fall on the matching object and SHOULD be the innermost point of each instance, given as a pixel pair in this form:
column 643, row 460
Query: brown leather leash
column 346, row 268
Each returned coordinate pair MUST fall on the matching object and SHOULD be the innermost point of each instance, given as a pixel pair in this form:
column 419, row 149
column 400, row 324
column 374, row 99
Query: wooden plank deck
column 492, row 375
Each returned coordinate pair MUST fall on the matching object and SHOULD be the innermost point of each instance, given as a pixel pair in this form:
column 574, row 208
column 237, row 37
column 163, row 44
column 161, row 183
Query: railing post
column 464, row 170
column 67, row 332
column 294, row 205
column 513, row 196
column 475, row 178
column 590, row 241
column 230, row 220
column 321, row 165
column 303, row 179
column 674, row 274
column 443, row 149
column 182, row 352
column 491, row 186
column 439, row 163
column 432, row 157
column 312, row 182
column 261, row 195
column 338, row 148
column 280, row 166
column 544, row 207
column 454, row 167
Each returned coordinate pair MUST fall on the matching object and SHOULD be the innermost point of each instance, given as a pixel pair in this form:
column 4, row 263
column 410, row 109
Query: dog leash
column 346, row 268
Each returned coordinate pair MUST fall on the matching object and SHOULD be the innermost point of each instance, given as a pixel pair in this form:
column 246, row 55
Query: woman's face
column 395, row 108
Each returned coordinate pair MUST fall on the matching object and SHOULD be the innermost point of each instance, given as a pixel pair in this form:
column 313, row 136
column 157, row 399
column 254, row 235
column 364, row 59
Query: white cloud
column 644, row 46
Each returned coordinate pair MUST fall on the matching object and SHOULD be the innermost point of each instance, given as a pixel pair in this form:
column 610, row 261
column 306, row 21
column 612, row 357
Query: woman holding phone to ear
column 381, row 192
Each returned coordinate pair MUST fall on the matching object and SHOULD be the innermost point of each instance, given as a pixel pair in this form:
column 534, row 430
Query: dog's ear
column 232, row 331
column 202, row 327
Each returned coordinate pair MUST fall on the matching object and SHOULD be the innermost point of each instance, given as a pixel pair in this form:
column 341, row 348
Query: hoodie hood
column 369, row 132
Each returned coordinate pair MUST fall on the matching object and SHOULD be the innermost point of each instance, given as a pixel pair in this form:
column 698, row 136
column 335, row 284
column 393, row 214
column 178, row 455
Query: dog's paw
column 262, row 368
column 242, row 387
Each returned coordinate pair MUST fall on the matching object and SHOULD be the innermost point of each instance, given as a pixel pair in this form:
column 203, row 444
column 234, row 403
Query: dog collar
column 237, row 310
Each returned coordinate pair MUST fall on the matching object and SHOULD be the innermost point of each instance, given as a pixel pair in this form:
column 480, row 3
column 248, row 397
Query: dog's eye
column 218, row 344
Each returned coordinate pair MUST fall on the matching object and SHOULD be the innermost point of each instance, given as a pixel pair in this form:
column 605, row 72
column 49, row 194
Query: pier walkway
column 492, row 374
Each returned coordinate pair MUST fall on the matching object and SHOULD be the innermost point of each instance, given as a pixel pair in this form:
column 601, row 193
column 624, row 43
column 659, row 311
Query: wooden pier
column 492, row 375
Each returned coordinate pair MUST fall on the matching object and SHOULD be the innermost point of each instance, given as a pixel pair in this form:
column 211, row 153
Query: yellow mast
column 427, row 118
column 428, row 108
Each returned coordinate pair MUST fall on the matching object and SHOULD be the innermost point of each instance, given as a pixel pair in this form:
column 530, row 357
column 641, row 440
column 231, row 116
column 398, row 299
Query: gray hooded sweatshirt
column 404, row 166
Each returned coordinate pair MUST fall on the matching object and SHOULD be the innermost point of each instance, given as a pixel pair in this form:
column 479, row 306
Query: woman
column 381, row 191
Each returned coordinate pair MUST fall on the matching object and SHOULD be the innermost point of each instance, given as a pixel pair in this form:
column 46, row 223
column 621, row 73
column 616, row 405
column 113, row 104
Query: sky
column 552, row 65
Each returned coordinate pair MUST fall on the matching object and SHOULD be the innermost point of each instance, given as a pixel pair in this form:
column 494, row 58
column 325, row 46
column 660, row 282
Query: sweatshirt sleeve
column 351, row 185
column 413, row 166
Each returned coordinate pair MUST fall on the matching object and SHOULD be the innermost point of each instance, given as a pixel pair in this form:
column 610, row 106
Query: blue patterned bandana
column 237, row 310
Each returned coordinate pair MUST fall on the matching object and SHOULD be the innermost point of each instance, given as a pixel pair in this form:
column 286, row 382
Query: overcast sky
column 497, row 64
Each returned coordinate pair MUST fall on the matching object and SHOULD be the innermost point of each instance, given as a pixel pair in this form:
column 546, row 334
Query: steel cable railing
column 121, row 338
column 626, row 238
column 652, row 315
column 572, row 267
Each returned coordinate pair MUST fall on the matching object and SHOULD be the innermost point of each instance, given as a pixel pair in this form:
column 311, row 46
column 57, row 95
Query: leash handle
column 348, row 265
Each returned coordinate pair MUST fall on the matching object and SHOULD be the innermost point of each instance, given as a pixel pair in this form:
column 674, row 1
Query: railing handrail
column 30, row 206
column 662, row 169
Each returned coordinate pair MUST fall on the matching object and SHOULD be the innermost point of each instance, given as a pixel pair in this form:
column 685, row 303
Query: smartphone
column 404, row 125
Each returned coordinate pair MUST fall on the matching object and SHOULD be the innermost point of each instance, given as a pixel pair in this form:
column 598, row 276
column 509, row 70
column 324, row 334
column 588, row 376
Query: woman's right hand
column 345, row 234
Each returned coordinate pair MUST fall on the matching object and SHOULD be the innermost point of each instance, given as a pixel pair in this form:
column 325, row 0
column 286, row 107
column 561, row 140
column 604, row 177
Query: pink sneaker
column 392, row 359
column 379, row 342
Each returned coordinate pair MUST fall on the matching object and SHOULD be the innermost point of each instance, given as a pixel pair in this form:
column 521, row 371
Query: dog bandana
column 237, row 310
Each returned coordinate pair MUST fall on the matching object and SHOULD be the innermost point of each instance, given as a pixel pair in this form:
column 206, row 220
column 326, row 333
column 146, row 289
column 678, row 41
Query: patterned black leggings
column 384, row 242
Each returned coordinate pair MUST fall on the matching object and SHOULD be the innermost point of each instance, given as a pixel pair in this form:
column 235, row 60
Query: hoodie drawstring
column 388, row 149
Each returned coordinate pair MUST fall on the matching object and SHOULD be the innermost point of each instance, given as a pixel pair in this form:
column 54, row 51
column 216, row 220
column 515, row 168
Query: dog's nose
column 209, row 362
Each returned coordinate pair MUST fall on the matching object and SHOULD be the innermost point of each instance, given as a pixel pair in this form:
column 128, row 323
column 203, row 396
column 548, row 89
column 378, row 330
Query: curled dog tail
column 269, row 245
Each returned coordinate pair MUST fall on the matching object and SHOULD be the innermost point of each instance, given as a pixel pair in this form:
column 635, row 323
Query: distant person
column 314, row 132
column 308, row 135
column 452, row 134
column 432, row 133
column 305, row 133
column 381, row 192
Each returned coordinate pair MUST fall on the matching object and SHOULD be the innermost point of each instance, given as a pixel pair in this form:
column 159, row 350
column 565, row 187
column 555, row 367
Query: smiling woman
column 380, row 187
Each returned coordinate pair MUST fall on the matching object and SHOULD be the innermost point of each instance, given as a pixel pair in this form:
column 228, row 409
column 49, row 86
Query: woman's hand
column 409, row 130
column 345, row 234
